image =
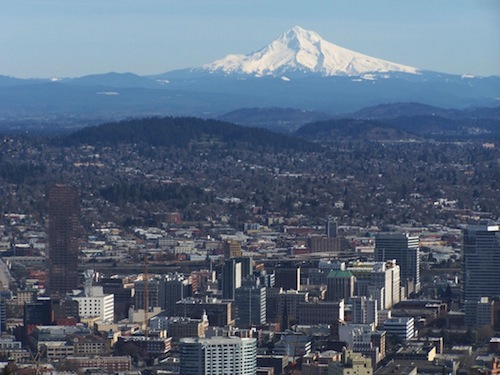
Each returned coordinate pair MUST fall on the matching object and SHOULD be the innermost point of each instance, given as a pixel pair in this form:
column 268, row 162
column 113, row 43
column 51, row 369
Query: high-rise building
column 340, row 285
column 250, row 300
column 379, row 280
column 218, row 356
column 481, row 262
column 94, row 303
column 287, row 277
column 364, row 310
column 405, row 250
column 140, row 293
column 288, row 306
column 37, row 313
column 173, row 288
column 64, row 215
column 231, row 278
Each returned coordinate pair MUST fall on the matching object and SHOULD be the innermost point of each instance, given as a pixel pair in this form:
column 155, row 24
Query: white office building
column 379, row 280
column 218, row 356
column 94, row 303
column 404, row 328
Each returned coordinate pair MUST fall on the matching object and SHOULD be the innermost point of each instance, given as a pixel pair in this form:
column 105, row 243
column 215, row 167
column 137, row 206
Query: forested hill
column 353, row 129
column 183, row 132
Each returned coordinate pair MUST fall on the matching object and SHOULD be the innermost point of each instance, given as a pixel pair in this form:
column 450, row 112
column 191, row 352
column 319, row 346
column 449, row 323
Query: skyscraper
column 173, row 288
column 481, row 265
column 231, row 278
column 218, row 356
column 405, row 249
column 64, row 215
column 250, row 300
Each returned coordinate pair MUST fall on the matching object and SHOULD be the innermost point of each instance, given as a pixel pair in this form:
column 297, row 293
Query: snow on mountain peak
column 300, row 50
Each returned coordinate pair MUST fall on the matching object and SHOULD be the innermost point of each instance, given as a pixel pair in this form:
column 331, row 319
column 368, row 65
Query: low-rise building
column 351, row 363
column 116, row 364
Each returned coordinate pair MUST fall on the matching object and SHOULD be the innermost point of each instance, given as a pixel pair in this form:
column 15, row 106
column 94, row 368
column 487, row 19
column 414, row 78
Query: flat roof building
column 218, row 356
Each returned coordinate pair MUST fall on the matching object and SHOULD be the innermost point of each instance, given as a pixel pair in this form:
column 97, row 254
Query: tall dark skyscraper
column 64, row 213
column 481, row 262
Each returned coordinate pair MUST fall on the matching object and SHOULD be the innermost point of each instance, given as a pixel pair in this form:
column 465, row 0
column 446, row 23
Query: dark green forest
column 183, row 132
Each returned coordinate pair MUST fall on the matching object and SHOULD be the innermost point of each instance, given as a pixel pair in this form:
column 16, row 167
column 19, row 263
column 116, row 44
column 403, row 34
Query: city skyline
column 43, row 39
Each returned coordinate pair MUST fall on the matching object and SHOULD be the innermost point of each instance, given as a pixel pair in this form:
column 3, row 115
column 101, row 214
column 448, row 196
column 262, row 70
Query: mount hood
column 303, row 51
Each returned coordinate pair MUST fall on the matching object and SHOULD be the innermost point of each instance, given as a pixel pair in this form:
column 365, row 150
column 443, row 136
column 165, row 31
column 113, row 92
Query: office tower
column 232, row 249
column 246, row 265
column 481, row 265
column 64, row 215
column 482, row 310
column 331, row 230
column 173, row 288
column 287, row 277
column 481, row 262
column 405, row 250
column 202, row 280
column 340, row 285
column 364, row 310
column 250, row 300
column 379, row 280
column 218, row 356
column 140, row 294
column 94, row 303
column 266, row 279
column 36, row 314
column 231, row 278
column 288, row 306
column 123, row 295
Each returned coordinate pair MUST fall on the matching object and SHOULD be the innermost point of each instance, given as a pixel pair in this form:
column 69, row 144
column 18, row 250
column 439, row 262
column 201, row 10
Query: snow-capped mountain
column 299, row 70
column 304, row 51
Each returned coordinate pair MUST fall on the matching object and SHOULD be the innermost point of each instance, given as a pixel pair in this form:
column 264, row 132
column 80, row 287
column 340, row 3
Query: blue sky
column 67, row 38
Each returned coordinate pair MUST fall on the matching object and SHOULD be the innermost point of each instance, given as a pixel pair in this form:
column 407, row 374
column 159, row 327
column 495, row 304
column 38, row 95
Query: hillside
column 184, row 132
column 284, row 120
column 351, row 129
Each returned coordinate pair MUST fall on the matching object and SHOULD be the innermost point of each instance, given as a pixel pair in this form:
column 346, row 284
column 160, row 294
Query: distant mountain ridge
column 299, row 71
